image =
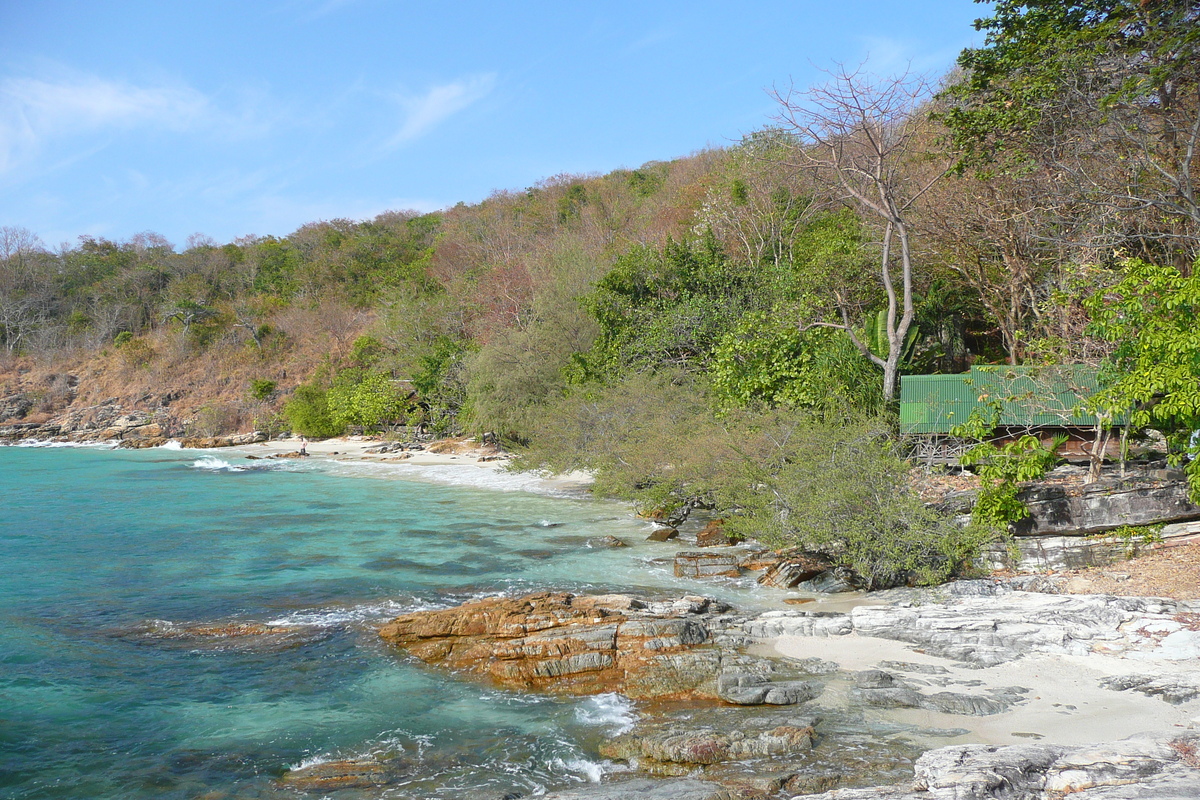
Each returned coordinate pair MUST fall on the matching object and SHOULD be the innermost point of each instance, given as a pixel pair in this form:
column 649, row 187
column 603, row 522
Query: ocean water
column 109, row 560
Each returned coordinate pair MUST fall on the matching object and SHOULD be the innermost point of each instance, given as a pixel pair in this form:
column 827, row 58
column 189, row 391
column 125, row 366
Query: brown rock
column 760, row 561
column 787, row 574
column 713, row 535
column 566, row 644
column 690, row 564
column 662, row 535
column 344, row 774
column 140, row 444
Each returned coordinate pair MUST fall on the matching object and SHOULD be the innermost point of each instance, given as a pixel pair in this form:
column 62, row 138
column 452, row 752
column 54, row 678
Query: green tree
column 308, row 413
column 767, row 359
column 1154, row 373
column 371, row 401
column 1105, row 92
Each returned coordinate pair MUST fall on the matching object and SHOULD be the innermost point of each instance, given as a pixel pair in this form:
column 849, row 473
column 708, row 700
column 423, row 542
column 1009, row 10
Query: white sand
column 1066, row 704
column 468, row 454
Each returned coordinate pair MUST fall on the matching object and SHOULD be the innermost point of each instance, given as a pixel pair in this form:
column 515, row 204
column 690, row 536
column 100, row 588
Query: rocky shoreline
column 759, row 706
column 766, row 705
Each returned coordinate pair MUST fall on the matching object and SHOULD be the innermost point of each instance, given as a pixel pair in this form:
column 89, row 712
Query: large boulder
column 1100, row 507
column 789, row 573
column 571, row 644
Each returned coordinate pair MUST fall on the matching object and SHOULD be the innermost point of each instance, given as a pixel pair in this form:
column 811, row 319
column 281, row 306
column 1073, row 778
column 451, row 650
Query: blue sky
column 236, row 118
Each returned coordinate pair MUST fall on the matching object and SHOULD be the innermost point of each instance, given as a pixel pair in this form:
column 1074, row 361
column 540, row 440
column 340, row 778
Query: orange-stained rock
column 570, row 644
column 714, row 534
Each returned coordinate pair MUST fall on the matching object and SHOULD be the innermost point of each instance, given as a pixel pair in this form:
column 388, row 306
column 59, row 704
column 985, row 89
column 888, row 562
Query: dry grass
column 190, row 378
column 1169, row 571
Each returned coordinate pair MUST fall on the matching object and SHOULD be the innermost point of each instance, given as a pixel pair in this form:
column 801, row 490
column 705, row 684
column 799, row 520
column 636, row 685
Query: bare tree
column 758, row 210
column 859, row 133
column 24, row 290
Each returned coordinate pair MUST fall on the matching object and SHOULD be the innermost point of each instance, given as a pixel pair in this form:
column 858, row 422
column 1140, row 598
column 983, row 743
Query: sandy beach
column 1066, row 704
column 465, row 452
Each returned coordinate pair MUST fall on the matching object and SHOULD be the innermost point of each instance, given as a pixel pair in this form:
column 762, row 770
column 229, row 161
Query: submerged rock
column 645, row 789
column 605, row 541
column 691, row 564
column 232, row 635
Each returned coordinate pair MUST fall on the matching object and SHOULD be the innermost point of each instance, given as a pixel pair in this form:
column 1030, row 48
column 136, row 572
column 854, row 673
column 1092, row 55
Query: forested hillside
column 703, row 330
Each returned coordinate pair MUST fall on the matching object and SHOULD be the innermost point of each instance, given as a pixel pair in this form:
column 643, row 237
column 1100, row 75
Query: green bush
column 841, row 489
column 371, row 401
column 307, row 412
column 261, row 389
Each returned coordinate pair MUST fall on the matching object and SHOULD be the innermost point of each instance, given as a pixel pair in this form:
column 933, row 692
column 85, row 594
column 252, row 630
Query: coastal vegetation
column 723, row 330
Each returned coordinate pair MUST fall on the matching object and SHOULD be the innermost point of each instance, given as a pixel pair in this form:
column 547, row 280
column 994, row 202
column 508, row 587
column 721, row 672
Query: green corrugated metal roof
column 1028, row 396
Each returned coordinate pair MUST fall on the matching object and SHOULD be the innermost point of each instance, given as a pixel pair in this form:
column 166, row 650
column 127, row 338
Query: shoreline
column 1066, row 704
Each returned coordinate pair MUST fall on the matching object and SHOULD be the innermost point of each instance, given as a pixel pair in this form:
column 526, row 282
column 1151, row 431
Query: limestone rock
column 1103, row 506
column 1174, row 689
column 1132, row 769
column 756, row 690
column 232, row 440
column 14, row 406
column 831, row 581
column 759, row 560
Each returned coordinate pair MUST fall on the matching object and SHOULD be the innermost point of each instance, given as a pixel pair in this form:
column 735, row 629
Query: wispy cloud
column 424, row 112
column 36, row 110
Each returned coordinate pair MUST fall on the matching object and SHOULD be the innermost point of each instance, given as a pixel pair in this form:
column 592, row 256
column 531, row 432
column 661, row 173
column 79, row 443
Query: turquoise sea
column 109, row 559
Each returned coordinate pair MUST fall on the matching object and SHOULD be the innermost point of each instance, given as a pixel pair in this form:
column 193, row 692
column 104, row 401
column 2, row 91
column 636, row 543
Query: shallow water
column 106, row 558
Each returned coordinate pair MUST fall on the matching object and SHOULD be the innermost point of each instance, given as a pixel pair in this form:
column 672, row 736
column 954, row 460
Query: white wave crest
column 174, row 444
column 353, row 615
column 591, row 771
column 46, row 443
column 609, row 710
column 470, row 476
column 214, row 464
column 312, row 761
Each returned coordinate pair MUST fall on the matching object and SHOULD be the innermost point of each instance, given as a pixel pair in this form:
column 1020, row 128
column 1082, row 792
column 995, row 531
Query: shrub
column 261, row 389
column 842, row 490
column 308, row 413
column 371, row 401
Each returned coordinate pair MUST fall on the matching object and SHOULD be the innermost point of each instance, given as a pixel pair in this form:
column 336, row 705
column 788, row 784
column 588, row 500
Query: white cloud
column 91, row 102
column 422, row 114
column 37, row 110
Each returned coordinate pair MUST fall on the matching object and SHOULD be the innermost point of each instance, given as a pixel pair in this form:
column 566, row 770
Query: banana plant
column 876, row 338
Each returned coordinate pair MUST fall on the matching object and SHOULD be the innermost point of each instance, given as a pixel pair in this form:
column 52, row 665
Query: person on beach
column 303, row 446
